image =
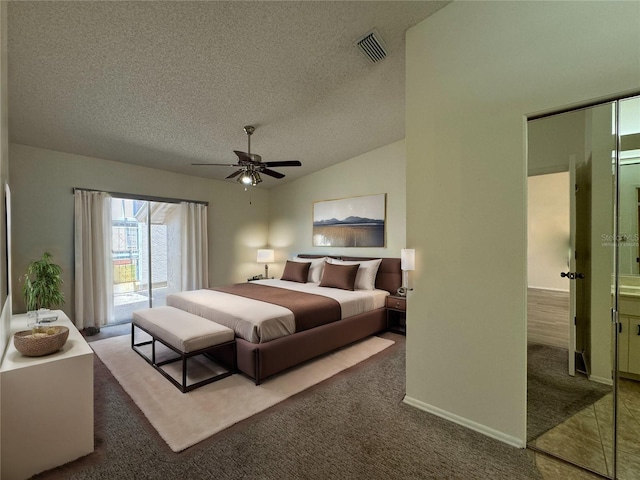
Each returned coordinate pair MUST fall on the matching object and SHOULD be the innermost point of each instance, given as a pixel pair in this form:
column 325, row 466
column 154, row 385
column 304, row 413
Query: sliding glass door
column 146, row 254
column 164, row 251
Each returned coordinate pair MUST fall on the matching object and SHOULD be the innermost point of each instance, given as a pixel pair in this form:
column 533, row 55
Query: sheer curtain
column 194, row 246
column 93, row 265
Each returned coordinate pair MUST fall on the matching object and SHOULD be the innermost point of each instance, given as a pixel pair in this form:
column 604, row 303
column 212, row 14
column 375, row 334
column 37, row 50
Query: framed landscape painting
column 350, row 222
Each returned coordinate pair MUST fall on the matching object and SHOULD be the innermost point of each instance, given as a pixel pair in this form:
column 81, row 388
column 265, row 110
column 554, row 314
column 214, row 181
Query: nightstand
column 397, row 314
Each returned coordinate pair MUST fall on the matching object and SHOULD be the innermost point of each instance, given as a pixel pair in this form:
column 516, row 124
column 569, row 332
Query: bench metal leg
column 184, row 372
column 184, row 358
column 135, row 346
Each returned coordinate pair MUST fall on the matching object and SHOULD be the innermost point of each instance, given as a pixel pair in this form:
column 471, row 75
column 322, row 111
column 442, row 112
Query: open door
column 572, row 265
column 573, row 275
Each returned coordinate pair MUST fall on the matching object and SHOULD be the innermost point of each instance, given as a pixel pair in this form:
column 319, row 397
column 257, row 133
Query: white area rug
column 184, row 419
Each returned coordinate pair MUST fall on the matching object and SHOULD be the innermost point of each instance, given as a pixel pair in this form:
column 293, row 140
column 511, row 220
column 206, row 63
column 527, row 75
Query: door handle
column 571, row 275
column 638, row 329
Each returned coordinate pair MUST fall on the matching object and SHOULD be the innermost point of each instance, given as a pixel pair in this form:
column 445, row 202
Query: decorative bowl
column 40, row 340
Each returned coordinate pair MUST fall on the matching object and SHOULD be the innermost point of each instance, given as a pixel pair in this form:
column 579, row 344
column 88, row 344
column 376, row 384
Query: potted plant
column 42, row 284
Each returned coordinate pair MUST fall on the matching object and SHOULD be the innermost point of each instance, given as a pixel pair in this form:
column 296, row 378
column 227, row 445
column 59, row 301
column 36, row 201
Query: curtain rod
column 148, row 198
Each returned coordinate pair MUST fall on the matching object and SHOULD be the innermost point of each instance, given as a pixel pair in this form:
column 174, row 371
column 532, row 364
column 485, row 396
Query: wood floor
column 548, row 317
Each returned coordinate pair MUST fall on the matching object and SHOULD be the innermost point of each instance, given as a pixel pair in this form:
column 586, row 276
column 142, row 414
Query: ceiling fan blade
column 284, row 163
column 248, row 157
column 218, row 164
column 272, row 173
column 236, row 173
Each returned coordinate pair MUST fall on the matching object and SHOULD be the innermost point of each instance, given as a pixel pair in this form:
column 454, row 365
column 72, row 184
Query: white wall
column 548, row 232
column 475, row 71
column 42, row 183
column 291, row 205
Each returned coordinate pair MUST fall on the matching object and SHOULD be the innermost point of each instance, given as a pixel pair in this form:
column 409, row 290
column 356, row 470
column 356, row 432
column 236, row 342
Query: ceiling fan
column 251, row 164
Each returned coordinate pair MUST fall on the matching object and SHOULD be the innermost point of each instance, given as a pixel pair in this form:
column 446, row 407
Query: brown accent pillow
column 339, row 276
column 296, row 271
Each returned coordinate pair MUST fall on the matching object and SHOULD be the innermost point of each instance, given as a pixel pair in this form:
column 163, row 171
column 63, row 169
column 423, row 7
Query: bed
column 270, row 338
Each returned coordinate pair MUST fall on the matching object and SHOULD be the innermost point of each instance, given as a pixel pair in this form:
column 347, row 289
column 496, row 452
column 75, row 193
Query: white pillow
column 367, row 271
column 317, row 266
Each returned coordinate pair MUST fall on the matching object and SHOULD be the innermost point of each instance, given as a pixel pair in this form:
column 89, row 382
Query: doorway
column 548, row 254
column 145, row 254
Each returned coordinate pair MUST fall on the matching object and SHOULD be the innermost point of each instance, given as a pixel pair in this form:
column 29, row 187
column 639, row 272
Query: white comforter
column 260, row 322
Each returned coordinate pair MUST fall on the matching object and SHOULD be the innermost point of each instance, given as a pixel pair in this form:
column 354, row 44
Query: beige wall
column 550, row 143
column 5, row 307
column 5, row 303
column 600, row 142
column 629, row 184
column 548, row 232
column 475, row 71
column 42, row 183
column 291, row 205
column 552, row 140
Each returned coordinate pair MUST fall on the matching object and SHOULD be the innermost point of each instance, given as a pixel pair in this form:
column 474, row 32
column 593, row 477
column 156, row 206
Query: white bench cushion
column 182, row 330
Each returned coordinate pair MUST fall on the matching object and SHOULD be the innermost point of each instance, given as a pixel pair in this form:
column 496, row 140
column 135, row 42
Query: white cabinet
column 629, row 337
column 623, row 343
column 47, row 405
column 634, row 345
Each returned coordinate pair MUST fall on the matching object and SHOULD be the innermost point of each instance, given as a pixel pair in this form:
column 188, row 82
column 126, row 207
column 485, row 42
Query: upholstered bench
column 187, row 335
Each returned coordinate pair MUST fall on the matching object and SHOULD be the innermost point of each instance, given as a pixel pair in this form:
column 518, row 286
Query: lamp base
column 402, row 291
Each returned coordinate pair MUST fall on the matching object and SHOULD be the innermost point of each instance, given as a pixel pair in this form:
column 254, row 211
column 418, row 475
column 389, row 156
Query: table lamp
column 407, row 263
column 266, row 256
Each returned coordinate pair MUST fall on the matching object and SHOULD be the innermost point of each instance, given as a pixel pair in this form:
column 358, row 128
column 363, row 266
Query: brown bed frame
column 262, row 360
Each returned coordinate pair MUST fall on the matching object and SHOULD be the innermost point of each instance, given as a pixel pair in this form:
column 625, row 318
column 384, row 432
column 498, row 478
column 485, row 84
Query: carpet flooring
column 552, row 395
column 351, row 426
column 183, row 420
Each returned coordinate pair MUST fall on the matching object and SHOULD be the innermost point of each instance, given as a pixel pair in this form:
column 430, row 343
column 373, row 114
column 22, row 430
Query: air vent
column 372, row 46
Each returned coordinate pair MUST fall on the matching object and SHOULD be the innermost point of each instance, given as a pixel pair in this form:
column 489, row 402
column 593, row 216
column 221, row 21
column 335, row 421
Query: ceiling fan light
column 245, row 178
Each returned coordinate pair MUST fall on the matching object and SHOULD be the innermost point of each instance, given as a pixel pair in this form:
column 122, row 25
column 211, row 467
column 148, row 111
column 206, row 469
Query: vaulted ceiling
column 166, row 84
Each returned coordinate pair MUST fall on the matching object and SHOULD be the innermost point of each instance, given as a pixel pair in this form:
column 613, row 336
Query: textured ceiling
column 165, row 84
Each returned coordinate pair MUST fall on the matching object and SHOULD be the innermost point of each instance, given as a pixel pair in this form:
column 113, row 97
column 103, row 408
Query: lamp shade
column 266, row 256
column 408, row 259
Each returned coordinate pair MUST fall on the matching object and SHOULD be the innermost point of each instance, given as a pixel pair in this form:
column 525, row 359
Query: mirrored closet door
column 584, row 323
column 627, row 445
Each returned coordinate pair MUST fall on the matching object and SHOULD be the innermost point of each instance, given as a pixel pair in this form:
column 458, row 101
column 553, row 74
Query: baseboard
column 629, row 375
column 606, row 381
column 550, row 289
column 489, row 432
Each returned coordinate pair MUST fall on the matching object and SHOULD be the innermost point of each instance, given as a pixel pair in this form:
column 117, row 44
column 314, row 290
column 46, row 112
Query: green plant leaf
column 42, row 284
